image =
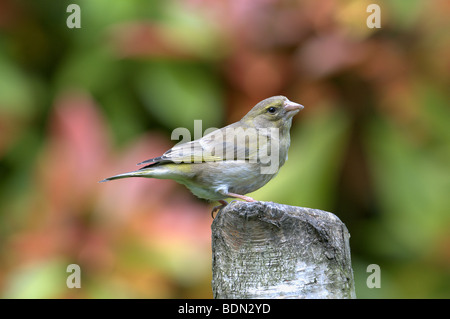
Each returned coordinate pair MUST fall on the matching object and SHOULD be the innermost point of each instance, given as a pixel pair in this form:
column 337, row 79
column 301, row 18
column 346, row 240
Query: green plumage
column 232, row 161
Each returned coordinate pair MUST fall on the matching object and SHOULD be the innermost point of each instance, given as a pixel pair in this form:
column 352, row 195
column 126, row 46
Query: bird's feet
column 246, row 198
column 223, row 203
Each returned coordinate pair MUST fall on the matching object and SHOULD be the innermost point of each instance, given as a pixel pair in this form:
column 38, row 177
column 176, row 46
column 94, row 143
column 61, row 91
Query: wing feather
column 227, row 143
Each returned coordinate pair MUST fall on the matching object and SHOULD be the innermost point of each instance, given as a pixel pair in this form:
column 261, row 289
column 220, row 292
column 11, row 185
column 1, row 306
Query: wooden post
column 269, row 250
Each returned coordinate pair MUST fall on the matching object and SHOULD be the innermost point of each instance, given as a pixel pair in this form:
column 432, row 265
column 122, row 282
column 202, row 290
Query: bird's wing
column 227, row 143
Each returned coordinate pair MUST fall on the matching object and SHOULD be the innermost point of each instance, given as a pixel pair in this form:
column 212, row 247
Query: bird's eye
column 271, row 109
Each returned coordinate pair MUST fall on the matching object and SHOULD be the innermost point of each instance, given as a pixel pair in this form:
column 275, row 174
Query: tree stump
column 269, row 250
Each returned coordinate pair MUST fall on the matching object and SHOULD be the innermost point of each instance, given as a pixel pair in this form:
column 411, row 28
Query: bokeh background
column 77, row 105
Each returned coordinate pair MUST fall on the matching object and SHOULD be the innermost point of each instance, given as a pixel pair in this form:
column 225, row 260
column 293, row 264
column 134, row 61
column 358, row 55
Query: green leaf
column 16, row 92
column 411, row 185
column 46, row 279
column 308, row 177
column 177, row 93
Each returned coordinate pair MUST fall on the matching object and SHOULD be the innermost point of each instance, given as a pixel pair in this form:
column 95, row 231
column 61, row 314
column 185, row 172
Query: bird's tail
column 138, row 173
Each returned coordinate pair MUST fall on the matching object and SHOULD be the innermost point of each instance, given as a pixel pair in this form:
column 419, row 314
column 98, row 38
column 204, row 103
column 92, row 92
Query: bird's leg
column 223, row 203
column 246, row 198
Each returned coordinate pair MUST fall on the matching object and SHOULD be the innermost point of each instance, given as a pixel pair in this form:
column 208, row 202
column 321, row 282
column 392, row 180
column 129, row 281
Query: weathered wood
column 269, row 250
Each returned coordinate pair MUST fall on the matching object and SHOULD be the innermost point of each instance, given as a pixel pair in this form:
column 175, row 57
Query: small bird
column 232, row 161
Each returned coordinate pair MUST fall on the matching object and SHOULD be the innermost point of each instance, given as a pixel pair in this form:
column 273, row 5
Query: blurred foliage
column 78, row 105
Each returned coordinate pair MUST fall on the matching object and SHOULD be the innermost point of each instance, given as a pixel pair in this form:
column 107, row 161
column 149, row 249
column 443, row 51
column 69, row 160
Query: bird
column 232, row 161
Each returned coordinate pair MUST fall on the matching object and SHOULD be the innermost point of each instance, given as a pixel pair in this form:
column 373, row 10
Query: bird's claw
column 217, row 208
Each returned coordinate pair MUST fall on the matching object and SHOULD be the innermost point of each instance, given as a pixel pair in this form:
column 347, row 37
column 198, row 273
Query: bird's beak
column 292, row 106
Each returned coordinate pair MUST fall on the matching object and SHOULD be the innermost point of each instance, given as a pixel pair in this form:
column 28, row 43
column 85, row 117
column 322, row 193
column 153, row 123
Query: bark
column 269, row 250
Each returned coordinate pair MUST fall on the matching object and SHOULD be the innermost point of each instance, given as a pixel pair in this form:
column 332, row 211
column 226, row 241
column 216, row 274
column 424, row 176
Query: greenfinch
column 232, row 161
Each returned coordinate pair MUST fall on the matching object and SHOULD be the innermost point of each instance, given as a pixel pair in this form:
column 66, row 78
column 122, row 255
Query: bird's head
column 275, row 111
